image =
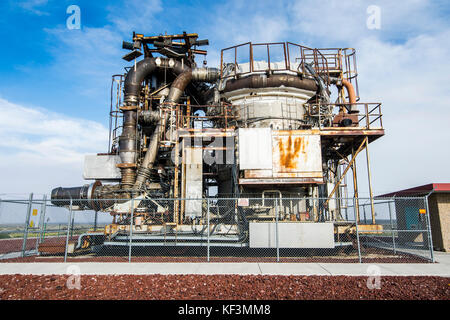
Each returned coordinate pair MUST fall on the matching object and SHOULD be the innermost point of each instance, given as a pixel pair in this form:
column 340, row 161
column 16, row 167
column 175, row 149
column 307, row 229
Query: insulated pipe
column 134, row 78
column 176, row 90
column 132, row 87
column 276, row 80
column 127, row 140
column 148, row 117
column 351, row 96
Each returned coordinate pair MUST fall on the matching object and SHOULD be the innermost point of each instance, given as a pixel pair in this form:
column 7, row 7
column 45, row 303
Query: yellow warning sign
column 35, row 212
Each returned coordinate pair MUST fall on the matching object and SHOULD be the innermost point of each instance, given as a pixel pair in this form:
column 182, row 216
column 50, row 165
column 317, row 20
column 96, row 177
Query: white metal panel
column 255, row 148
column 291, row 235
column 101, row 167
column 194, row 182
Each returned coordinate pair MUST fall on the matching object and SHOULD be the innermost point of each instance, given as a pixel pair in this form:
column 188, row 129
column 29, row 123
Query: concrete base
column 441, row 268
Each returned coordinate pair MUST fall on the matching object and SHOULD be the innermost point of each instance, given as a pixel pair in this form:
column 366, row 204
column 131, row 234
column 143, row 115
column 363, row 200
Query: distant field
column 16, row 230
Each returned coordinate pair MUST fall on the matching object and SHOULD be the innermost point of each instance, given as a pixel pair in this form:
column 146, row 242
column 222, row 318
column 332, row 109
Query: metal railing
column 293, row 57
column 369, row 114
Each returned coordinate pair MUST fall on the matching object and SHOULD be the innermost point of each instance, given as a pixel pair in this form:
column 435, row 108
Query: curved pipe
column 134, row 78
column 276, row 80
column 351, row 96
column 132, row 88
column 176, row 90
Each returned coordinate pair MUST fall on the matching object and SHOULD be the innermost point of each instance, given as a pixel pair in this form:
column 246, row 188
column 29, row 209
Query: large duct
column 176, row 90
column 258, row 81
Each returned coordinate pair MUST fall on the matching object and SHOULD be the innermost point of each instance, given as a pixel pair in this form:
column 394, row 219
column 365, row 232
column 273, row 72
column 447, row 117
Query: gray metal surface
column 101, row 167
column 291, row 235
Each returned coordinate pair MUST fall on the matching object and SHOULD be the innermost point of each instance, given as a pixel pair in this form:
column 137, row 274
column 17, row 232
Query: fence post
column 392, row 227
column 131, row 230
column 41, row 221
column 68, row 231
column 430, row 239
column 357, row 241
column 276, row 230
column 95, row 220
column 27, row 224
column 357, row 231
column 42, row 218
column 207, row 212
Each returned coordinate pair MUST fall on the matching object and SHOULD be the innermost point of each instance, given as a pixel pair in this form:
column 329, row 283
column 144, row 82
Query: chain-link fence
column 270, row 229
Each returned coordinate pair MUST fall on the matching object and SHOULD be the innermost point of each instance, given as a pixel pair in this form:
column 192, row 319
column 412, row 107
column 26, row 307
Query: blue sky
column 55, row 82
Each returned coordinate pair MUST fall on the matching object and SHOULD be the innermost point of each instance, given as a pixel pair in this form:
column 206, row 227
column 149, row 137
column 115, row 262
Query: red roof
column 421, row 190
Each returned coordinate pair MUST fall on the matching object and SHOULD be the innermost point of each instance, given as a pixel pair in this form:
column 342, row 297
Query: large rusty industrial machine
column 258, row 136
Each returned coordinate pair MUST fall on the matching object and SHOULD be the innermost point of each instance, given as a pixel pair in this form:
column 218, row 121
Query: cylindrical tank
column 262, row 100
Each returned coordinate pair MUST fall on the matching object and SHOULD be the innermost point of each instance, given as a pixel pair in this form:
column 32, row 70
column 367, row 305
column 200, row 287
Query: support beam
column 370, row 181
column 345, row 171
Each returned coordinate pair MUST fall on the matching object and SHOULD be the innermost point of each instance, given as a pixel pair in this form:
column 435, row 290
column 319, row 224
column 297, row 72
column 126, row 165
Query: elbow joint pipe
column 351, row 96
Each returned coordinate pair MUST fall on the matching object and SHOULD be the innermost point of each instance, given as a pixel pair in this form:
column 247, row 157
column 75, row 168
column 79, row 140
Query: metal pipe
column 392, row 227
column 42, row 217
column 430, row 239
column 276, row 80
column 68, row 230
column 207, row 200
column 27, row 225
column 351, row 95
column 372, row 207
column 176, row 90
column 131, row 230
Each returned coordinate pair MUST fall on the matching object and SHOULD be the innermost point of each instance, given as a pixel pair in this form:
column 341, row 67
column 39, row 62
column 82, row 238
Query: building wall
column 443, row 202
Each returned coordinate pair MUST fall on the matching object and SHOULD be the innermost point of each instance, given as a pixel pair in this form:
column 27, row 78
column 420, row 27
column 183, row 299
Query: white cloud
column 33, row 5
column 40, row 149
column 403, row 65
column 134, row 15
column 410, row 80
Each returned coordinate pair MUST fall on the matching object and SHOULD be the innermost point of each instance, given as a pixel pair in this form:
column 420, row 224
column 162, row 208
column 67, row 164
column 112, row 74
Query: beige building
column 410, row 217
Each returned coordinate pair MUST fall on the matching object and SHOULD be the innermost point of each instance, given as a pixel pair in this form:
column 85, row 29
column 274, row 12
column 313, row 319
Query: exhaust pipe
column 351, row 96
column 176, row 90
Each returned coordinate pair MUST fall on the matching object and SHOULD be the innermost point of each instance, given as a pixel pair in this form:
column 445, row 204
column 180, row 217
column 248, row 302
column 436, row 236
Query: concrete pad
column 292, row 269
column 355, row 269
column 33, row 268
column 419, row 269
column 228, row 268
column 321, row 269
column 442, row 257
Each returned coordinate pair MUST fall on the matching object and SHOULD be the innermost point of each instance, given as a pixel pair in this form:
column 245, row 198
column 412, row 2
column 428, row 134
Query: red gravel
column 223, row 287
column 15, row 245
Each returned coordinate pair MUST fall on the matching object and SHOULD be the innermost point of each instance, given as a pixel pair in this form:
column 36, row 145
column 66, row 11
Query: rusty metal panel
column 297, row 155
column 255, row 148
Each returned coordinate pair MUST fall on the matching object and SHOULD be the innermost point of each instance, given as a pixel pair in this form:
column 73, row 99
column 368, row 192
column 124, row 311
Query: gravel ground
column 223, row 287
column 15, row 245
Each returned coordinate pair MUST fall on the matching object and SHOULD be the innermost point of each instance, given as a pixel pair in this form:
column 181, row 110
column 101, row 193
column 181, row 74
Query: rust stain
column 290, row 153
